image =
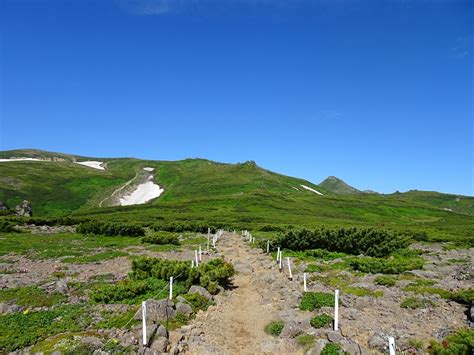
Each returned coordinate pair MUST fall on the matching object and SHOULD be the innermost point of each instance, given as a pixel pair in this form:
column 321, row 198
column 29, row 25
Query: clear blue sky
column 379, row 93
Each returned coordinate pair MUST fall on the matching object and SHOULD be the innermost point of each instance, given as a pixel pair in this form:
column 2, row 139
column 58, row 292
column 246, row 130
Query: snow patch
column 148, row 169
column 92, row 164
column 142, row 193
column 19, row 159
column 311, row 189
column 295, row 188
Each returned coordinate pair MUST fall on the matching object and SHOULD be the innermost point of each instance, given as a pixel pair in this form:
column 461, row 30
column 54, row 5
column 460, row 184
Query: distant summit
column 338, row 186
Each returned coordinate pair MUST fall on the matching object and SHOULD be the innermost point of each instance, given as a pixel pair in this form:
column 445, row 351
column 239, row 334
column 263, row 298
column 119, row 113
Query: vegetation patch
column 331, row 349
column 396, row 264
column 274, row 328
column 416, row 302
column 385, row 280
column 463, row 296
column 460, row 342
column 316, row 300
column 306, row 341
column 161, row 238
column 105, row 255
column 110, row 229
column 321, row 321
column 111, row 319
column 423, row 286
column 31, row 296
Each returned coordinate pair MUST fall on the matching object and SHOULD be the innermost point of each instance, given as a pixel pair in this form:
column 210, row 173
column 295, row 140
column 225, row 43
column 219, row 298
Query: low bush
column 321, row 321
column 371, row 242
column 274, row 328
column 31, row 296
column 161, row 238
column 7, row 227
column 110, row 229
column 458, row 343
column 395, row 264
column 384, row 280
column 463, row 296
column 197, row 301
column 209, row 275
column 423, row 286
column 306, row 341
column 415, row 302
column 316, row 300
column 331, row 349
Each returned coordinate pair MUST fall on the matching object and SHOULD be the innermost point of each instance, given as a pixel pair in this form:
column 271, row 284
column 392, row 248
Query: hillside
column 199, row 190
column 337, row 186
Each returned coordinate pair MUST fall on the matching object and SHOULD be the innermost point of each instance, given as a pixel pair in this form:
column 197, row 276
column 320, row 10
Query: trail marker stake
column 391, row 345
column 268, row 246
column 200, row 254
column 144, row 342
column 171, row 287
column 196, row 257
column 192, row 263
column 336, row 310
column 208, row 238
column 278, row 254
column 281, row 260
column 304, row 282
column 289, row 268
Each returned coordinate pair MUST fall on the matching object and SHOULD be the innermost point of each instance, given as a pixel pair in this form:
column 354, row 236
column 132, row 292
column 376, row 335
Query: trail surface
column 235, row 325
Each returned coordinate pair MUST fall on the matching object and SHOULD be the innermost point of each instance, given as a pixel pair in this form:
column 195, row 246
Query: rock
column 92, row 342
column 160, row 344
column 3, row 206
column 378, row 341
column 174, row 350
column 292, row 329
column 184, row 308
column 181, row 299
column 56, row 286
column 162, row 331
column 352, row 349
column 335, row 336
column 158, row 311
column 24, row 210
column 9, row 308
column 243, row 268
column 200, row 290
column 318, row 347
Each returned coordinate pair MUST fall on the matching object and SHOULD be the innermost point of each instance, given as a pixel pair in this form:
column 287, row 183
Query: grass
column 316, row 300
column 415, row 302
column 274, row 328
column 423, row 286
column 102, row 256
column 331, row 349
column 117, row 320
column 343, row 283
column 321, row 321
column 31, row 296
column 306, row 341
column 385, row 280
column 241, row 196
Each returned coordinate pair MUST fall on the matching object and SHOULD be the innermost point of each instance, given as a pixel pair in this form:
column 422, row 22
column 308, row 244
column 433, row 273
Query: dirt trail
column 235, row 325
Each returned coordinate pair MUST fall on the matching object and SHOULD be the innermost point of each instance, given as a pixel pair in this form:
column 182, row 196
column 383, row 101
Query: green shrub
column 384, row 280
column 371, row 242
column 321, row 321
column 31, row 296
column 161, row 238
column 463, row 296
column 423, row 286
column 197, row 301
column 316, row 300
column 306, row 341
column 331, row 349
column 416, row 343
column 274, row 328
column 393, row 265
column 415, row 302
column 209, row 275
column 313, row 268
column 7, row 227
column 459, row 343
column 110, row 229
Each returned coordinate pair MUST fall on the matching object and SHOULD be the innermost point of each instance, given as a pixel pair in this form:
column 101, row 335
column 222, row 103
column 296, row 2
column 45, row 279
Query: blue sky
column 378, row 93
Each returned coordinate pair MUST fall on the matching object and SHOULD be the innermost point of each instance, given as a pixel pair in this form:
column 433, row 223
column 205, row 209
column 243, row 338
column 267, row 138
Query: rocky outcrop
column 24, row 209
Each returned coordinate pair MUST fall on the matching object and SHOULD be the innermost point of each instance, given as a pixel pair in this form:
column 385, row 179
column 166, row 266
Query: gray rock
column 318, row 347
column 93, row 342
column 158, row 311
column 160, row 344
column 378, row 341
column 24, row 210
column 335, row 337
column 162, row 332
column 292, row 329
column 352, row 349
column 184, row 308
column 9, row 308
column 174, row 350
column 200, row 290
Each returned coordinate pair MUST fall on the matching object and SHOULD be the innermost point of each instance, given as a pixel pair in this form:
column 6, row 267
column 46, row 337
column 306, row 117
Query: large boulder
column 184, row 308
column 158, row 311
column 200, row 290
column 24, row 210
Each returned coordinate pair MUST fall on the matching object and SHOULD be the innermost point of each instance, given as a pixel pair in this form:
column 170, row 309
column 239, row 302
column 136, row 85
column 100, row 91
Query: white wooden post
column 391, row 345
column 200, row 254
column 336, row 310
column 304, row 282
column 196, row 257
column 171, row 287
column 268, row 246
column 145, row 342
column 278, row 254
column 208, row 238
column 192, row 263
column 289, row 268
column 281, row 260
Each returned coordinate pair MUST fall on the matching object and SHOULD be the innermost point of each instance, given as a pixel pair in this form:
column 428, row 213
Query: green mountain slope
column 246, row 195
column 337, row 186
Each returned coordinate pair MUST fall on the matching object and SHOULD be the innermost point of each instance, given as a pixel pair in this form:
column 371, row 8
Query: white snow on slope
column 311, row 189
column 92, row 164
column 19, row 159
column 142, row 193
column 148, row 169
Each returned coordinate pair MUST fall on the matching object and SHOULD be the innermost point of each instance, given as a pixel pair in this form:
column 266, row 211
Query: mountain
column 338, row 186
column 199, row 190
